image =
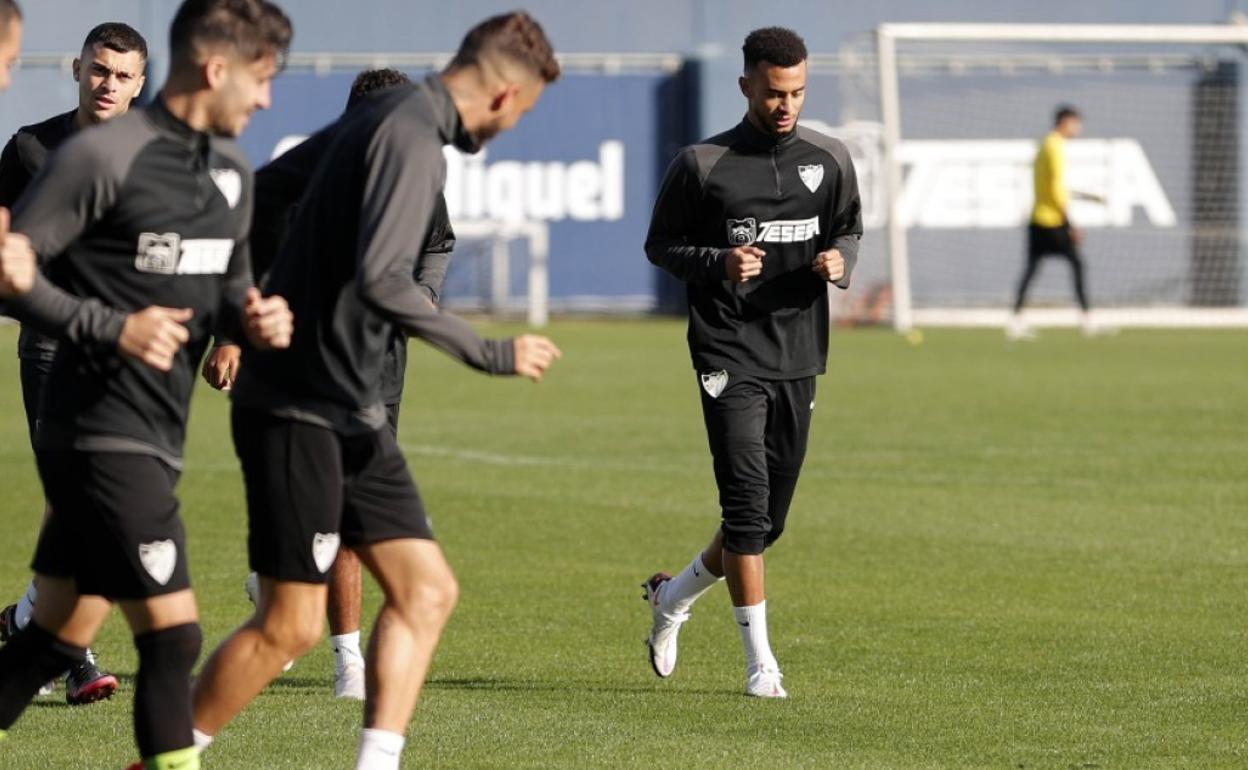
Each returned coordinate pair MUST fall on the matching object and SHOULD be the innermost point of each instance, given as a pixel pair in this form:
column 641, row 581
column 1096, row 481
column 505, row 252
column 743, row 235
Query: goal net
column 947, row 119
column 500, row 268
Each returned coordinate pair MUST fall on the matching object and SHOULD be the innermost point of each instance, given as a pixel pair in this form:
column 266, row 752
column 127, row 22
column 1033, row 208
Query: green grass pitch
column 999, row 557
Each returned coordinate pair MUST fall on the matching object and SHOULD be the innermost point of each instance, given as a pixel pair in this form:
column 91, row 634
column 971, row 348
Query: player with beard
column 144, row 222
column 758, row 221
column 320, row 466
column 109, row 73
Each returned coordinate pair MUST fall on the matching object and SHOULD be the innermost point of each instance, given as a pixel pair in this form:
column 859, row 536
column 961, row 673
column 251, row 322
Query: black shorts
column 758, row 430
column 35, row 373
column 1045, row 241
column 310, row 489
column 114, row 527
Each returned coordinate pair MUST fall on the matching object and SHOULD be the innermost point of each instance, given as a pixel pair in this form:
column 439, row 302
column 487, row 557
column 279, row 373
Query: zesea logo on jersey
column 169, row 254
column 743, row 232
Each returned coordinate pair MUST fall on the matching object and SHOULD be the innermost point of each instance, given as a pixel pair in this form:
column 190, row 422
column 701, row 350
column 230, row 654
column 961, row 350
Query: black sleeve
column 402, row 182
column 14, row 176
column 238, row 278
column 74, row 189
column 669, row 243
column 432, row 265
column 846, row 217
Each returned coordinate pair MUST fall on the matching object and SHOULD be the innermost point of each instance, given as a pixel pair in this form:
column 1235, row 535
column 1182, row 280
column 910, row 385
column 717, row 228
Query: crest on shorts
column 324, row 549
column 811, row 176
column 742, row 232
column 714, row 382
column 158, row 253
column 159, row 558
column 230, row 183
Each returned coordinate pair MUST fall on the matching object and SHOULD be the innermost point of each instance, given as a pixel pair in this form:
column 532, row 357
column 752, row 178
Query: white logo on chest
column 159, row 558
column 812, row 176
column 324, row 549
column 230, row 183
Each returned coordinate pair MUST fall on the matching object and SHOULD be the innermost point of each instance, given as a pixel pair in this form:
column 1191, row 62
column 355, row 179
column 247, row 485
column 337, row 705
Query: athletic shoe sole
column 95, row 690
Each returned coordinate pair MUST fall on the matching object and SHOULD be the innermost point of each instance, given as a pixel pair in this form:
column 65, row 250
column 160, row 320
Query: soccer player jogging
column 143, row 222
column 109, row 73
column 1050, row 232
column 320, row 466
column 17, row 261
column 279, row 186
column 758, row 221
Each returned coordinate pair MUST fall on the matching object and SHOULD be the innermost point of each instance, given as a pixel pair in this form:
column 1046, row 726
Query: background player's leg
column 57, row 638
column 286, row 624
column 1017, row 329
column 420, row 593
column 168, row 639
column 344, row 625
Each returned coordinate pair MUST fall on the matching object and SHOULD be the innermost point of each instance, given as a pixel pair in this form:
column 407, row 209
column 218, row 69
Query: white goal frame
column 537, row 306
column 905, row 317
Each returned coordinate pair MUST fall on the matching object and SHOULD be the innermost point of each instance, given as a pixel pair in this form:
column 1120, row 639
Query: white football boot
column 664, row 628
column 764, row 682
column 349, row 680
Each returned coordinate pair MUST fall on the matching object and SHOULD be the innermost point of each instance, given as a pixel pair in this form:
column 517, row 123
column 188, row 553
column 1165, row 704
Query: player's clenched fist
column 830, row 265
column 267, row 321
column 534, row 355
column 17, row 260
column 154, row 335
column 221, row 366
column 744, row 263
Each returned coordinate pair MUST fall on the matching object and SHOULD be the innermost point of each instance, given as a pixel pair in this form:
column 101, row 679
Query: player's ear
column 139, row 90
column 77, row 67
column 215, row 70
column 503, row 97
column 744, row 83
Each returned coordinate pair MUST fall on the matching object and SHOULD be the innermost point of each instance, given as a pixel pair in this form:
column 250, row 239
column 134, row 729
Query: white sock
column 26, row 606
column 202, row 740
column 346, row 649
column 379, row 750
column 682, row 591
column 752, row 622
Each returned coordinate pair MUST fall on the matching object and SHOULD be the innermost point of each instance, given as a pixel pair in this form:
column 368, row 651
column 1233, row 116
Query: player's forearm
column 692, row 264
column 57, row 313
column 408, row 307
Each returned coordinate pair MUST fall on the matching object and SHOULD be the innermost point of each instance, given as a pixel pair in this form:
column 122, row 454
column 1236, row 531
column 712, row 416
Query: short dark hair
column 372, row 81
column 9, row 10
column 118, row 37
column 1064, row 111
column 515, row 36
column 253, row 28
column 779, row 46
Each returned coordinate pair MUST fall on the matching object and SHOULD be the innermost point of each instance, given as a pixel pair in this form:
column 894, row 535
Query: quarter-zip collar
column 450, row 124
column 764, row 141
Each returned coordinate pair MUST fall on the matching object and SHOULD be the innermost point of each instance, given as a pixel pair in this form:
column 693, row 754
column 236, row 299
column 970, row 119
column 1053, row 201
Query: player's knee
column 169, row 653
column 292, row 634
column 746, row 537
column 432, row 599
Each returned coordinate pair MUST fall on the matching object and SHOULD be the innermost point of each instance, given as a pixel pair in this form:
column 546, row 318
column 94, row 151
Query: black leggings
column 1056, row 242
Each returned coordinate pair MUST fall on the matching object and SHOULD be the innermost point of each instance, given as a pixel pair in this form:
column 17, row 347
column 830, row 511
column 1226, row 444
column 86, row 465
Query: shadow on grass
column 508, row 685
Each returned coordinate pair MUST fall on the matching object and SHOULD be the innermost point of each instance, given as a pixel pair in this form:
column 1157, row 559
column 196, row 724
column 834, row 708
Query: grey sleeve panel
column 238, row 278
column 669, row 243
column 76, row 187
column 404, row 178
column 435, row 259
column 845, row 205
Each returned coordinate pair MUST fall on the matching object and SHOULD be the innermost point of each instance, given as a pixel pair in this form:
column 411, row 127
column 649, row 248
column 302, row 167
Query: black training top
column 139, row 211
column 20, row 162
column 279, row 186
column 793, row 197
column 346, row 266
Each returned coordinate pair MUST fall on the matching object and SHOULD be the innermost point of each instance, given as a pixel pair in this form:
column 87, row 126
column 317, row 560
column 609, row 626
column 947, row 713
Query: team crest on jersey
column 158, row 253
column 714, row 382
column 159, row 558
column 742, row 232
column 811, row 176
column 324, row 549
column 230, row 183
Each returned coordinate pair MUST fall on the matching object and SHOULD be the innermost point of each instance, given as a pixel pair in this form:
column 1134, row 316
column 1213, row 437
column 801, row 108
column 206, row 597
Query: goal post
column 1165, row 133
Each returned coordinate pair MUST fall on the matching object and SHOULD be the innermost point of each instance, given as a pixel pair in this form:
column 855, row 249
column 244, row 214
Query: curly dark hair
column 778, row 46
column 1064, row 111
column 118, row 37
column 371, row 81
column 516, row 36
column 253, row 28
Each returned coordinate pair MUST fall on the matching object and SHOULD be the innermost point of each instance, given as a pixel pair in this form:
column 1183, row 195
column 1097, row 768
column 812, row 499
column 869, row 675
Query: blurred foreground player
column 144, row 222
column 109, row 73
column 320, row 466
column 10, row 39
column 758, row 221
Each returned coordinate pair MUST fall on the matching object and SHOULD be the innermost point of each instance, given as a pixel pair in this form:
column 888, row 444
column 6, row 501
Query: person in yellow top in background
column 1050, row 232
